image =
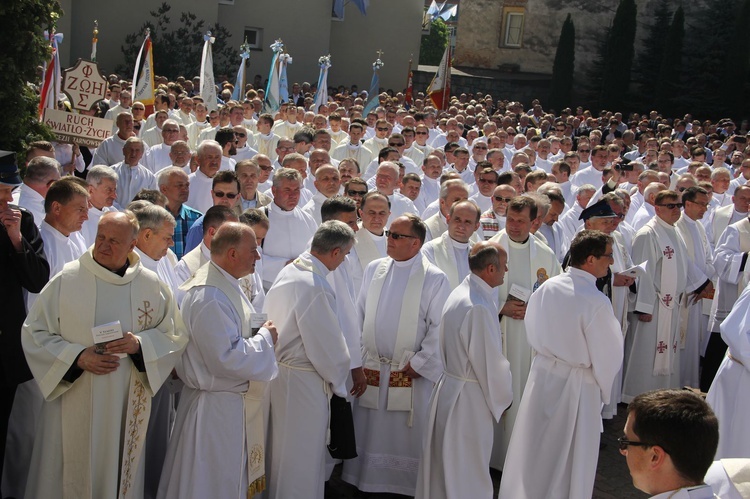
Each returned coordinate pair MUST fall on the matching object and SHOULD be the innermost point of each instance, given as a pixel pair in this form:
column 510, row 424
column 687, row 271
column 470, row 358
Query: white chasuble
column 113, row 409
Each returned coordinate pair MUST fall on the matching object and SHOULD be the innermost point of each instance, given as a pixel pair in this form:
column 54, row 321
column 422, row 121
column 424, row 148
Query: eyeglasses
column 487, row 181
column 356, row 193
column 241, row 135
column 584, row 150
column 422, row 133
column 624, row 443
column 606, row 255
column 381, row 129
column 170, row 130
column 266, row 168
column 501, row 199
column 395, row 236
column 670, row 206
column 229, row 195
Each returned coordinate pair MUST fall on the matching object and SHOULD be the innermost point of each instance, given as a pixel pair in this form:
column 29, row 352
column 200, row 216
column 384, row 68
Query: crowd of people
column 228, row 302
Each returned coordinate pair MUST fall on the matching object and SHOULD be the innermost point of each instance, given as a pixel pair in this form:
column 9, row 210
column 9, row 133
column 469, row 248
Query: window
column 513, row 21
column 254, row 37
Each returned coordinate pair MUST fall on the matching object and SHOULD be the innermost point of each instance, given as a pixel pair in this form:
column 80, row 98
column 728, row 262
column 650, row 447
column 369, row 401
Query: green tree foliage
column 592, row 85
column 619, row 60
column 433, row 45
column 177, row 52
column 24, row 50
column 563, row 67
column 668, row 89
column 649, row 60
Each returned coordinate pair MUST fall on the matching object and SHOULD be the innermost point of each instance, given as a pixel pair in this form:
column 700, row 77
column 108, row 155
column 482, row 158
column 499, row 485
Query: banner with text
column 78, row 128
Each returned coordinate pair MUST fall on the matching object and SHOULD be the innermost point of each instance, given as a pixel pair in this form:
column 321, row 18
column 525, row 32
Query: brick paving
column 612, row 476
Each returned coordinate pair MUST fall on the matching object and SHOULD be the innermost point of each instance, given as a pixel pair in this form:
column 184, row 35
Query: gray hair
column 292, row 157
column 331, row 235
column 162, row 178
column 152, row 217
column 205, row 145
column 134, row 140
column 455, row 182
column 586, row 188
column 286, row 174
column 40, row 168
column 100, row 172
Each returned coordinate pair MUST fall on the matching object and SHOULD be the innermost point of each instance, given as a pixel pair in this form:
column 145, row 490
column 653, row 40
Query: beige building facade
column 307, row 28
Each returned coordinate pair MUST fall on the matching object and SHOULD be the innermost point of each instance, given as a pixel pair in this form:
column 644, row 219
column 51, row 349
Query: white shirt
column 200, row 191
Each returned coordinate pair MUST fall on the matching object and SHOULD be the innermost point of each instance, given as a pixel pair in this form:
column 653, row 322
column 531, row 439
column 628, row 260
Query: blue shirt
column 185, row 219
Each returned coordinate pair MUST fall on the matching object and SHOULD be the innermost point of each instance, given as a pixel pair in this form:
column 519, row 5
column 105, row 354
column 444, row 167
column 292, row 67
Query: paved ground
column 612, row 477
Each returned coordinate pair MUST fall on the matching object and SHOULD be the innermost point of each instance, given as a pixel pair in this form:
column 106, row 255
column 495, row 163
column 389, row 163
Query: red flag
column 409, row 87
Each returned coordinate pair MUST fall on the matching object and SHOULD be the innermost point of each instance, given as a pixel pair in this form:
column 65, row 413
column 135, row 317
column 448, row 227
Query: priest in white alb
column 652, row 358
column 132, row 176
column 554, row 447
column 313, row 363
column 450, row 252
column 530, row 264
column 218, row 443
column 474, row 389
column 102, row 187
column 400, row 306
column 290, row 228
column 374, row 211
column 97, row 405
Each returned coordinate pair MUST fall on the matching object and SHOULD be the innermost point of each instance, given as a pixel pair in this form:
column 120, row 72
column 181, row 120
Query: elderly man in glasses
column 400, row 306
column 654, row 343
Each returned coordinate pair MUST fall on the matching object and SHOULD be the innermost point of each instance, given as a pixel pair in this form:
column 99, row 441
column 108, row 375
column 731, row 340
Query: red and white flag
column 440, row 88
column 52, row 76
column 143, row 77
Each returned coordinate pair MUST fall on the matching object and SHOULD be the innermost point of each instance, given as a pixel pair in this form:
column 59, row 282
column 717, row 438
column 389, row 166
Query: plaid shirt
column 185, row 219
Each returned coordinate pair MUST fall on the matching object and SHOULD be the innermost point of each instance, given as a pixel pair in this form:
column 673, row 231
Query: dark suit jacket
column 28, row 270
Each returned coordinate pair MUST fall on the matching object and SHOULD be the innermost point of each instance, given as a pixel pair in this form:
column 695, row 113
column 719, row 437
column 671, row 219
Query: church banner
column 77, row 128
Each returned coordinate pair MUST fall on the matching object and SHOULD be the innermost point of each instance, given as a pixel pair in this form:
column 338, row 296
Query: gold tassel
column 258, row 486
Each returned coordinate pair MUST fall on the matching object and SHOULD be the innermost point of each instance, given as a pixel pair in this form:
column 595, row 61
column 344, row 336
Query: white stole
column 366, row 250
column 78, row 300
column 195, row 259
column 399, row 398
column 665, row 346
column 210, row 275
column 445, row 258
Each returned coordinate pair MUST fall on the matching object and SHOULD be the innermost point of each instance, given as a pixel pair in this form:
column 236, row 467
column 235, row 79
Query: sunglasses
column 380, row 129
column 229, row 195
column 584, row 150
column 671, row 206
column 356, row 193
column 422, row 133
column 395, row 144
column 241, row 135
column 501, row 199
column 266, row 168
column 395, row 236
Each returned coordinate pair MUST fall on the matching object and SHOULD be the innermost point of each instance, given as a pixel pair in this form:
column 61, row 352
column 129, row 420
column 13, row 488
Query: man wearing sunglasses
column 669, row 443
column 573, row 369
column 225, row 191
column 654, row 360
column 400, row 304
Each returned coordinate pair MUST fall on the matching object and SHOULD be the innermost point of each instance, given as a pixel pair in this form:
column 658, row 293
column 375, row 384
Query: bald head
column 235, row 249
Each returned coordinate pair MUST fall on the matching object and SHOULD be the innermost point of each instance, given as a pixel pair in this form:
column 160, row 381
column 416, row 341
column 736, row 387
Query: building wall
column 292, row 21
column 393, row 26
column 116, row 20
column 305, row 27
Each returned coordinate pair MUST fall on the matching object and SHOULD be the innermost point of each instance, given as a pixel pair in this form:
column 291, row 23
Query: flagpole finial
column 96, row 28
column 277, row 46
column 148, row 31
column 208, row 38
column 245, row 49
column 380, row 53
column 378, row 63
